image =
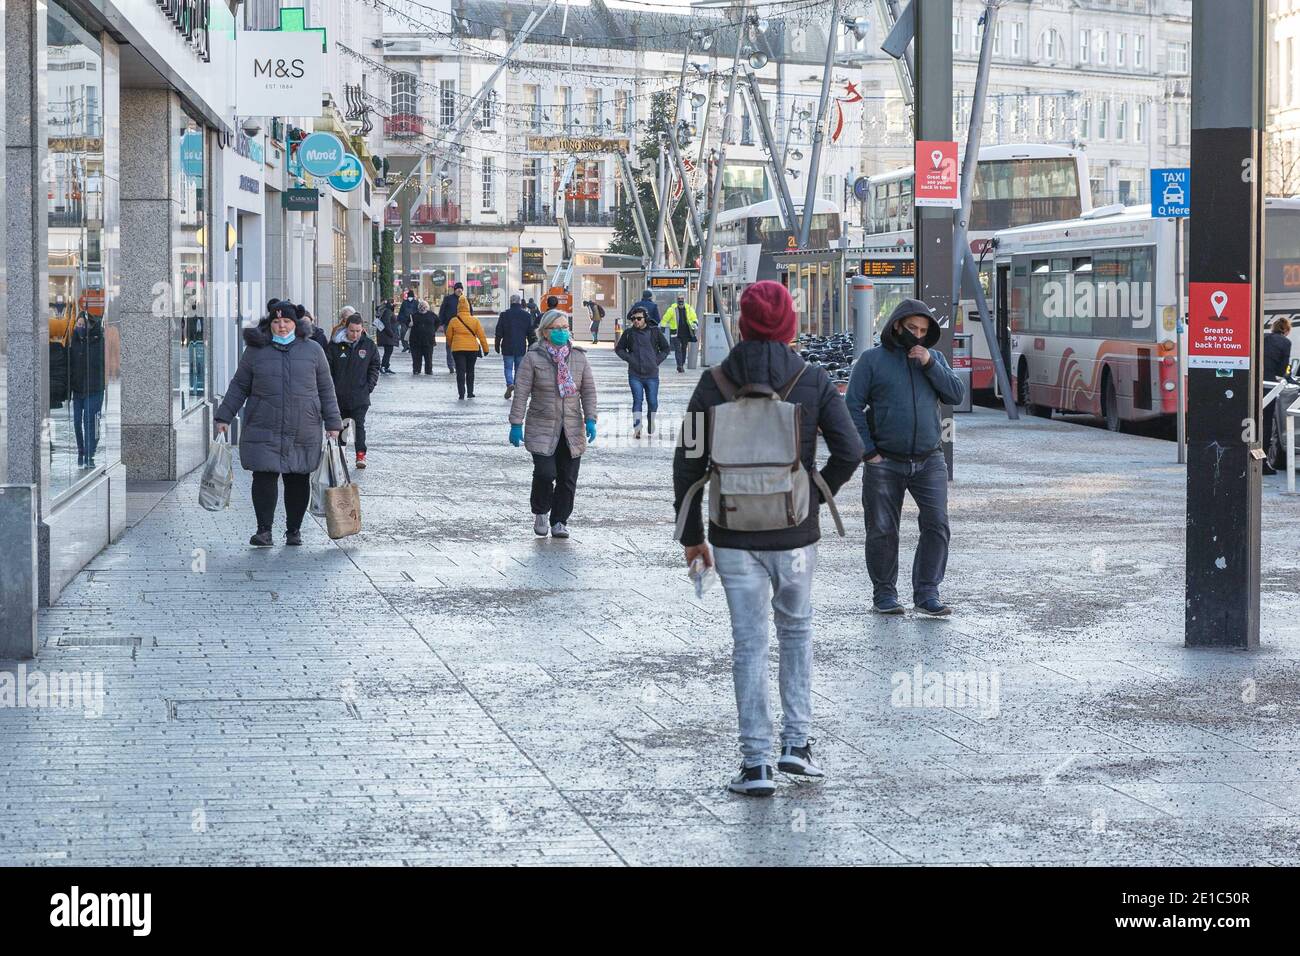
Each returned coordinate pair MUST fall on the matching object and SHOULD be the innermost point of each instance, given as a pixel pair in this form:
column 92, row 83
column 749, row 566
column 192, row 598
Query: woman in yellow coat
column 467, row 342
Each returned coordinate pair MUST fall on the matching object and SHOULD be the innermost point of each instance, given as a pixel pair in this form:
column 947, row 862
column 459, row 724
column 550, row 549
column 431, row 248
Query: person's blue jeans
column 511, row 362
column 883, row 485
column 85, row 421
column 751, row 579
column 643, row 389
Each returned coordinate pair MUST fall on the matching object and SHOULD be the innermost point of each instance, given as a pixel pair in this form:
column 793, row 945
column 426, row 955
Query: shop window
column 84, row 352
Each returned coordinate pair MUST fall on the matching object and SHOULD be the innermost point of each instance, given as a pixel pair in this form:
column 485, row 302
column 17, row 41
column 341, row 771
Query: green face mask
column 559, row 336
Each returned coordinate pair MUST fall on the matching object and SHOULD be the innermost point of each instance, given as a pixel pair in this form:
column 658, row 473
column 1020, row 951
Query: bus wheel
column 1022, row 394
column 1110, row 403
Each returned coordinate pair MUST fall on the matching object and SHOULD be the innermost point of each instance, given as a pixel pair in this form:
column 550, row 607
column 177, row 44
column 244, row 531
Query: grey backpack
column 756, row 477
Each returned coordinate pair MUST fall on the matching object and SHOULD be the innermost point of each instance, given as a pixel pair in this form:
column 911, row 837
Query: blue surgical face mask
column 283, row 339
column 560, row 336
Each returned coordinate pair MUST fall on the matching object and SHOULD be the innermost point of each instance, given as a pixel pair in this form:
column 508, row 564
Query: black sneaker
column 799, row 761
column 933, row 607
column 650, row 423
column 261, row 540
column 887, row 606
column 293, row 538
column 753, row 781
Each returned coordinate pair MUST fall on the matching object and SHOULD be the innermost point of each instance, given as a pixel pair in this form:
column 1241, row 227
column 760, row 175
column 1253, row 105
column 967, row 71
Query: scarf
column 563, row 377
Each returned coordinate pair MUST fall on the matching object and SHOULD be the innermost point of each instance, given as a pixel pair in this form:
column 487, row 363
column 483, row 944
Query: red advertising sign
column 936, row 173
column 1218, row 330
column 417, row 238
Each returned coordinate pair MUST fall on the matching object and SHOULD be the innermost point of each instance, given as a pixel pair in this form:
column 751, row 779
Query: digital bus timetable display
column 668, row 282
column 888, row 268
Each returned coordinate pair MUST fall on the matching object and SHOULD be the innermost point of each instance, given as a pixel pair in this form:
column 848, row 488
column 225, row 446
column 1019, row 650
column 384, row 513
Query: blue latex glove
column 591, row 429
column 516, row 435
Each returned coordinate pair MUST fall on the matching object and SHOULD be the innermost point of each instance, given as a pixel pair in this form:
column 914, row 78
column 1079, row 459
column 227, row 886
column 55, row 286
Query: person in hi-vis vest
column 681, row 334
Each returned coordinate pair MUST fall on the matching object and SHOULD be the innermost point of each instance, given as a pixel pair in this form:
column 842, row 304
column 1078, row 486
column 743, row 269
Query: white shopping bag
column 218, row 476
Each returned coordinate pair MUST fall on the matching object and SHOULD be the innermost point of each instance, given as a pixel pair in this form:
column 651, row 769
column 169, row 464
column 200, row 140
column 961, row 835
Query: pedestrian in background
column 535, row 312
column 1277, row 356
column 894, row 396
column 756, row 567
column 406, row 318
column 647, row 302
column 340, row 330
column 317, row 334
column 513, row 337
column 285, row 379
column 388, row 334
column 86, row 378
column 679, row 321
column 643, row 348
column 453, row 304
column 597, row 315
column 554, row 416
column 424, row 337
column 466, row 340
column 354, row 368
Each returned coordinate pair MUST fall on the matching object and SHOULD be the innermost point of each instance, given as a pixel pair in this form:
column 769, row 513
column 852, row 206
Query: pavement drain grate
column 91, row 640
column 262, row 708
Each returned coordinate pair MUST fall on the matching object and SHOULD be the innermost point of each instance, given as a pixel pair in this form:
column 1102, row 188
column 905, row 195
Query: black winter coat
column 389, row 334
column 448, row 310
column 651, row 310
column 424, row 329
column 289, row 395
column 774, row 364
column 643, row 350
column 406, row 311
column 354, row 367
column 1277, row 353
column 87, row 359
column 514, row 331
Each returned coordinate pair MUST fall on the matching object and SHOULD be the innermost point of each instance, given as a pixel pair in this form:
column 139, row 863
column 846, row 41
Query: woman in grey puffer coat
column 554, row 416
column 284, row 378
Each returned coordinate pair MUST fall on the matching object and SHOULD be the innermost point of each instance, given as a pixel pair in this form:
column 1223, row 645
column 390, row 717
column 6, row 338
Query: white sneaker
column 559, row 530
column 541, row 525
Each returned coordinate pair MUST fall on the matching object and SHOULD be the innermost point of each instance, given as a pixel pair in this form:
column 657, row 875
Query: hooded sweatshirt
column 893, row 400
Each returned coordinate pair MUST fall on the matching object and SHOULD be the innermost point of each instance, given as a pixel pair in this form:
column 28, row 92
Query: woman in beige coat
column 553, row 415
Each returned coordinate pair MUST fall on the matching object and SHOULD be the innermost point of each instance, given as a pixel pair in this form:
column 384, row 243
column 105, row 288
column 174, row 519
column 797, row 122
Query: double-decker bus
column 748, row 236
column 1090, row 308
column 1015, row 185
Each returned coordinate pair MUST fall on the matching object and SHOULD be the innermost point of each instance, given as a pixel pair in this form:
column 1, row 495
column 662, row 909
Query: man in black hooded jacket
column 893, row 396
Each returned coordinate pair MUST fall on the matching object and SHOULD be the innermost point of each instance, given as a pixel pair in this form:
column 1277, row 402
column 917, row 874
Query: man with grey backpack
column 750, row 434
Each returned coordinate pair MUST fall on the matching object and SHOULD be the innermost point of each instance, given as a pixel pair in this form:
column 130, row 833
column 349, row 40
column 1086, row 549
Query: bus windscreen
column 1020, row 192
column 1282, row 250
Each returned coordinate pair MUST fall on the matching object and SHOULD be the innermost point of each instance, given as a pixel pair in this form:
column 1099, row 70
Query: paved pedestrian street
column 447, row 688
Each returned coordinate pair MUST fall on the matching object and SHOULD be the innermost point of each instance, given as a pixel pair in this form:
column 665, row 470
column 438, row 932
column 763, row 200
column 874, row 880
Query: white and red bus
column 1015, row 185
column 1091, row 307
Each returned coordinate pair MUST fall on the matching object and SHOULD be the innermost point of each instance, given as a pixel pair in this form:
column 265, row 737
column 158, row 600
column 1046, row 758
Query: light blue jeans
column 752, row 579
column 511, row 362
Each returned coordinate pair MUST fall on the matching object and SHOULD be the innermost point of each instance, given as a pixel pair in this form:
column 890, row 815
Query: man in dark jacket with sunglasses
column 894, row 396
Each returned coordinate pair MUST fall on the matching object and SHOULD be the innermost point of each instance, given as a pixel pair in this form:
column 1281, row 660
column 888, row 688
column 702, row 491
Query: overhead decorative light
column 697, row 100
column 860, row 27
column 796, row 154
column 706, row 41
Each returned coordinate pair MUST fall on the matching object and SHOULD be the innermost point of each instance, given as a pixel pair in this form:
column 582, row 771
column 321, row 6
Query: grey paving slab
column 447, row 689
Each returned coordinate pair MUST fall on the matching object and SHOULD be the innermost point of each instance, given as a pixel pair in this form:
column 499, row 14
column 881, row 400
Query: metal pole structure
column 965, row 265
column 819, row 135
column 657, row 189
column 692, row 214
column 703, row 133
column 406, row 243
column 1179, row 364
column 638, row 214
column 907, row 75
column 778, row 171
column 933, row 244
column 1226, row 246
column 468, row 113
column 715, row 200
column 864, row 311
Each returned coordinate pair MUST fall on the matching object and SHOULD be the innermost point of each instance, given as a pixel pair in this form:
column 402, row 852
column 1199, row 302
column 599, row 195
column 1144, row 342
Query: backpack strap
column 829, row 498
column 789, row 387
column 685, row 509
